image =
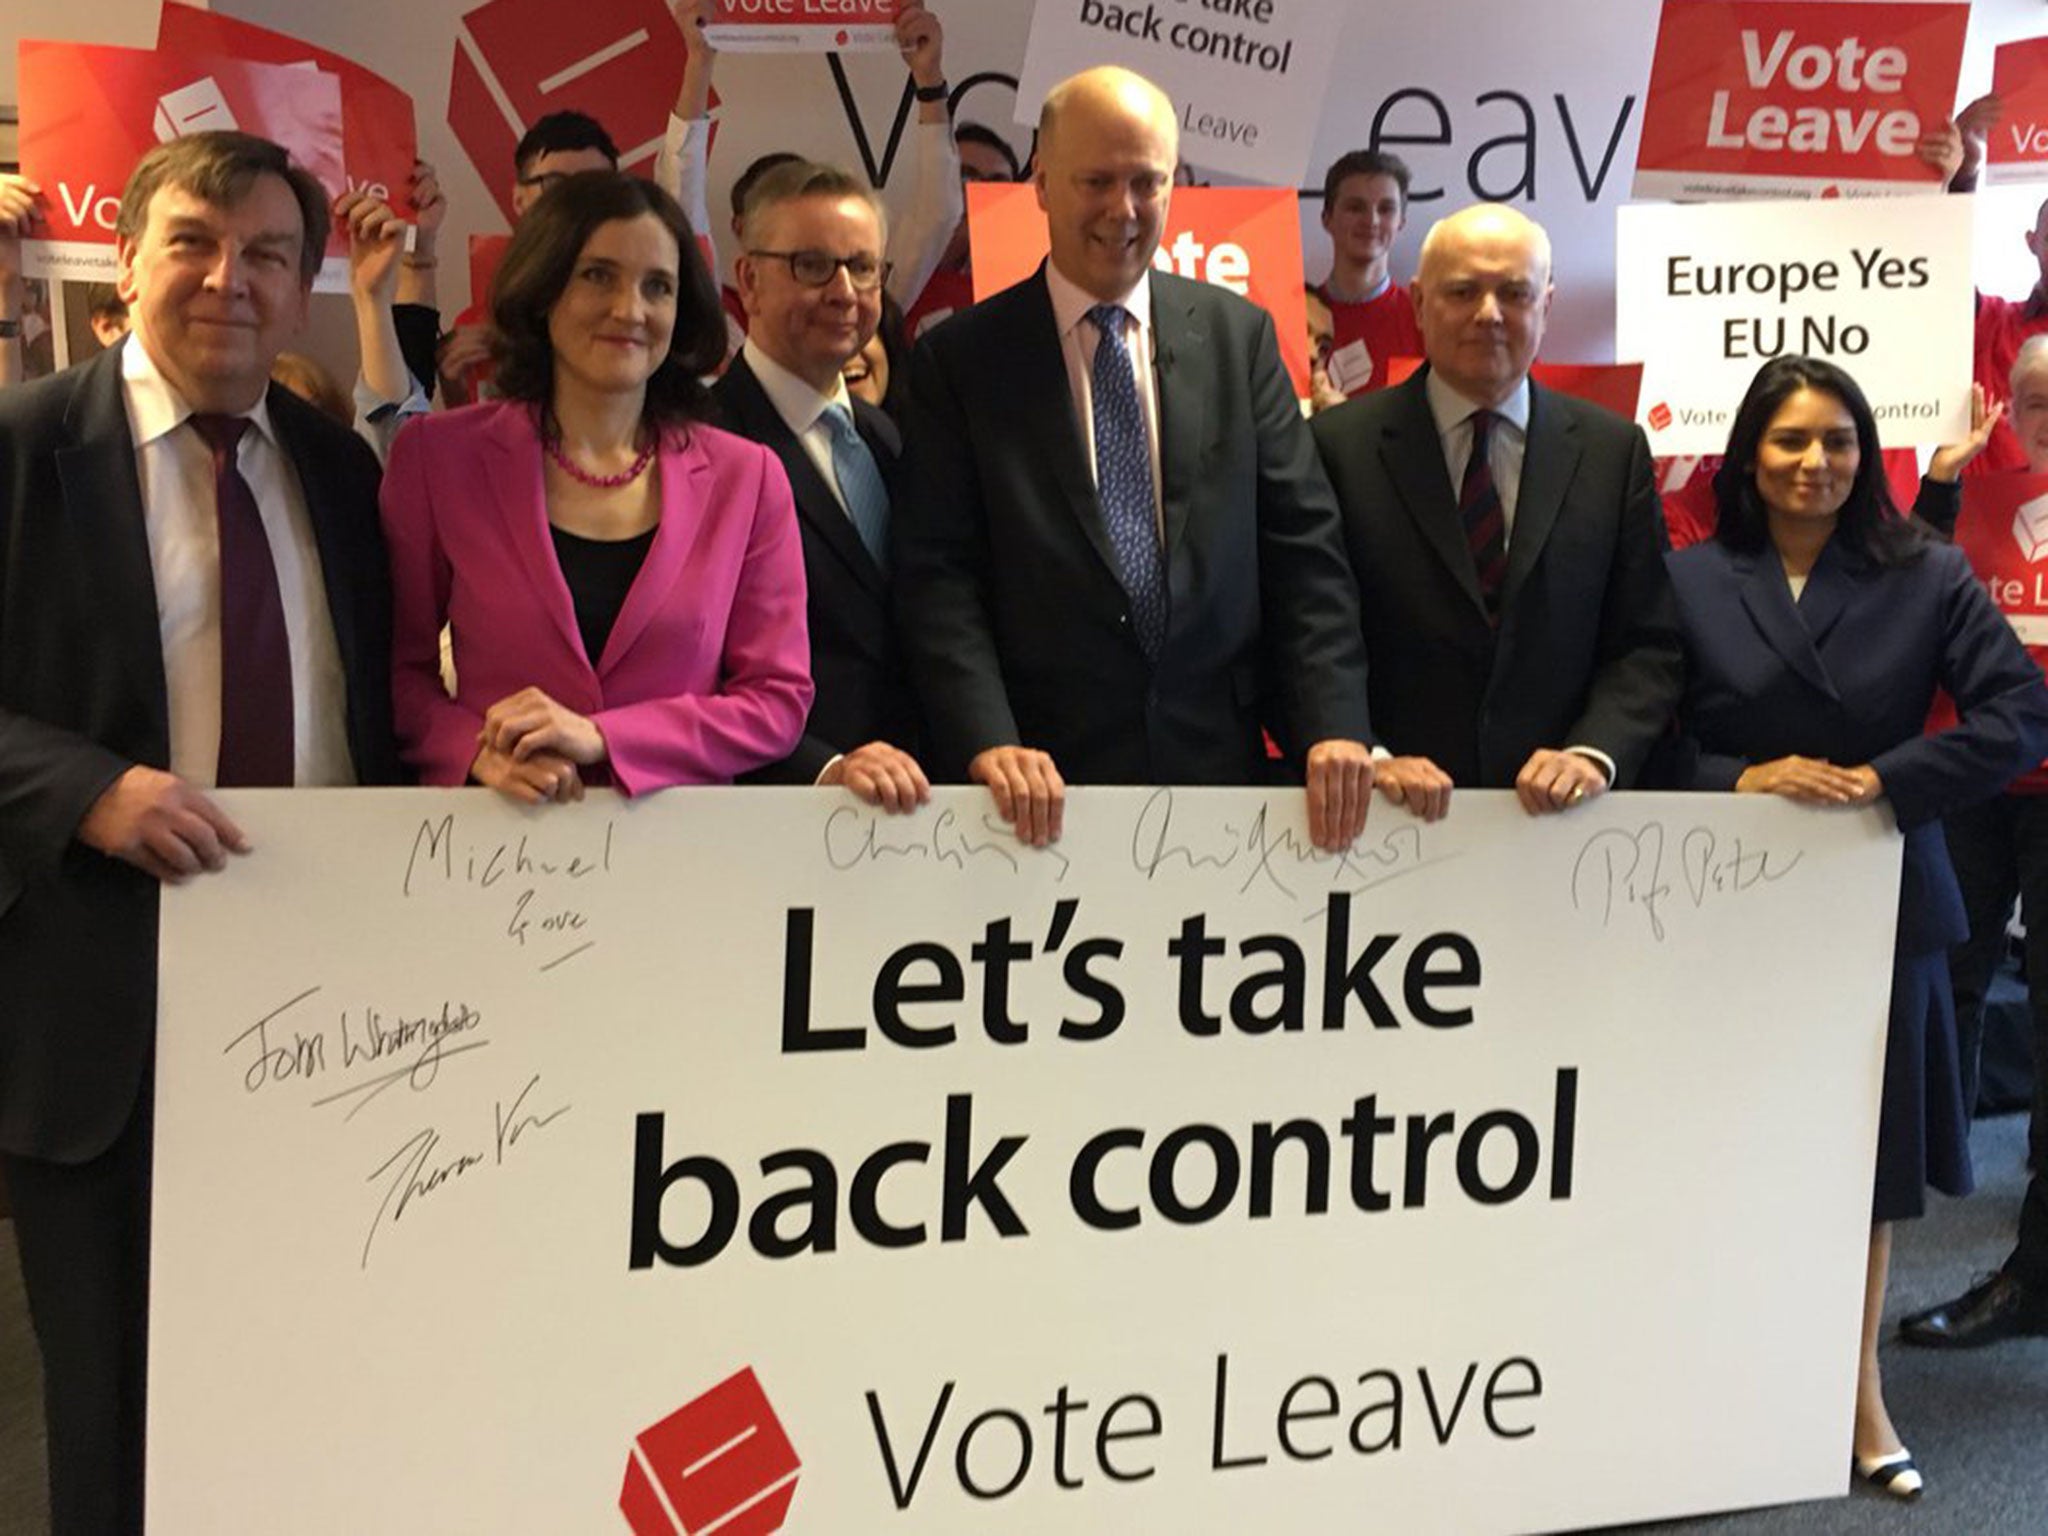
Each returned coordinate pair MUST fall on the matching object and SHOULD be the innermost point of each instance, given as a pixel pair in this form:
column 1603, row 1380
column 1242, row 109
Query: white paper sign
column 620, row 1167
column 1247, row 77
column 1706, row 294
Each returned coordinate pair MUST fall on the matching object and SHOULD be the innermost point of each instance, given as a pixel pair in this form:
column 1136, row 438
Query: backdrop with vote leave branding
column 620, row 1166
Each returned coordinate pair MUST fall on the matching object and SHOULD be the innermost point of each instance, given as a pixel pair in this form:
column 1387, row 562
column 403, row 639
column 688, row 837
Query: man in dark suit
column 192, row 592
column 1117, row 558
column 1517, row 612
column 811, row 278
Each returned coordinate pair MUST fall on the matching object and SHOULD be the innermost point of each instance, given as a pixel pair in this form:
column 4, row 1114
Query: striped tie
column 1479, row 507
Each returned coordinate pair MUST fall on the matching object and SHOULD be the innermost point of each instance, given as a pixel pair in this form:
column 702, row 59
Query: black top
column 599, row 573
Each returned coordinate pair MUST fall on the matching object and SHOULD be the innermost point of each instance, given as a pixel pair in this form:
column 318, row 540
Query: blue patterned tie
column 1123, row 479
column 860, row 483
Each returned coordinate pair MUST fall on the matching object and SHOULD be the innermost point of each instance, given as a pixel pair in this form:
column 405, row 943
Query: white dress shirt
column 175, row 469
column 802, row 409
column 1510, row 440
column 1078, row 340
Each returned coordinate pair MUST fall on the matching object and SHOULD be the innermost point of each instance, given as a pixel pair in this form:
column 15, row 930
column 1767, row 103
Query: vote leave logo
column 721, row 1462
column 2030, row 528
column 1660, row 416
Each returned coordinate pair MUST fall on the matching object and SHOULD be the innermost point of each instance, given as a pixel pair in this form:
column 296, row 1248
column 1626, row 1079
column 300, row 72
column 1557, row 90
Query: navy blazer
column 1848, row 674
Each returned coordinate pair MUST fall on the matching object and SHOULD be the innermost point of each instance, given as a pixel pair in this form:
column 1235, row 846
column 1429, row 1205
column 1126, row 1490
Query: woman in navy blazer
column 623, row 585
column 1818, row 625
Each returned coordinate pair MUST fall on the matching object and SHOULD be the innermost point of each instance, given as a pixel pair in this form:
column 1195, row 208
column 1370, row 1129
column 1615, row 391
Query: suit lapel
column 1182, row 363
column 103, row 497
column 1550, row 457
column 685, row 491
column 1413, row 456
column 1830, row 586
column 512, row 468
column 329, row 520
column 755, row 414
column 1044, row 403
column 1768, row 600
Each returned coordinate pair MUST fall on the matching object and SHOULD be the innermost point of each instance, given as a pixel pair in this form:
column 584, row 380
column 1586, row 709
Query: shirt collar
column 795, row 400
column 1071, row 302
column 1451, row 409
column 155, row 408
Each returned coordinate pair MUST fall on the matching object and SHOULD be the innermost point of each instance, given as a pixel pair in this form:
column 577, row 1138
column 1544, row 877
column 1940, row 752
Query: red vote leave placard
column 1796, row 98
column 621, row 61
column 379, row 141
column 2017, row 149
column 88, row 113
column 2003, row 529
column 1246, row 239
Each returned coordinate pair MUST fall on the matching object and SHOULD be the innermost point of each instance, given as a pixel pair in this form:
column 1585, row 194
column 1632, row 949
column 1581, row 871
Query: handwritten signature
column 418, row 1044
column 1254, row 851
column 1619, row 868
column 855, row 835
column 419, row 1170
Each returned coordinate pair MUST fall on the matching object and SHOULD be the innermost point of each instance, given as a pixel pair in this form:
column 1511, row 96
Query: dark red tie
column 255, row 653
column 1479, row 506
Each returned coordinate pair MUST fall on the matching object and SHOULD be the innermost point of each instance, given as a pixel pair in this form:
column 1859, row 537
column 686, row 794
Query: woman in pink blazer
column 624, row 585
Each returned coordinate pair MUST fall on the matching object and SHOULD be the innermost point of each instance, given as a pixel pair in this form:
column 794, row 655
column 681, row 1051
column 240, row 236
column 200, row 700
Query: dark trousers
column 2000, row 850
column 83, row 1231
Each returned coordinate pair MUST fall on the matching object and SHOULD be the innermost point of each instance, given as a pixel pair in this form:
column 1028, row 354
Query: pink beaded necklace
column 551, row 442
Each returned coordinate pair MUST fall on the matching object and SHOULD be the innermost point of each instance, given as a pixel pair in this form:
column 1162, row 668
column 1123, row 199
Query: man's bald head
column 1107, row 143
column 1482, row 294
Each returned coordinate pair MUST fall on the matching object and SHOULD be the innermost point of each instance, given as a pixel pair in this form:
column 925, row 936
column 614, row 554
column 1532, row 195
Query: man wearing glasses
column 811, row 278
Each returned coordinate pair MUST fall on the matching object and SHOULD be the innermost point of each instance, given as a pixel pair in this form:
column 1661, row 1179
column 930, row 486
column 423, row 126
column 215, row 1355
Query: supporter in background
column 2000, row 850
column 106, row 313
column 1372, row 319
column 921, row 227
column 811, row 273
column 1819, row 625
column 19, row 198
column 985, row 156
column 623, row 583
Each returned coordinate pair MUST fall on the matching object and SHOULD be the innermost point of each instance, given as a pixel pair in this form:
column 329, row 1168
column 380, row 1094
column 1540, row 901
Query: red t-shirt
column 1385, row 327
column 2002, row 326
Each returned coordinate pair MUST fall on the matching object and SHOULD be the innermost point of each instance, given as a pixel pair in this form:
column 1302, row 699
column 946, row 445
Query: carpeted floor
column 1978, row 1422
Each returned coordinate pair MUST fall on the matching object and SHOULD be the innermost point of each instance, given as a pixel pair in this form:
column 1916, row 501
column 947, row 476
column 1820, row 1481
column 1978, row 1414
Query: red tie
column 1479, row 506
column 255, row 654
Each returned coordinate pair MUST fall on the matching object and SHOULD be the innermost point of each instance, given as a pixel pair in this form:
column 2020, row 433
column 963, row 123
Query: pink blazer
column 707, row 671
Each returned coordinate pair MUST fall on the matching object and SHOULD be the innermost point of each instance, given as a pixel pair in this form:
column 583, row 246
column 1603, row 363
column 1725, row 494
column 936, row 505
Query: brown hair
column 220, row 168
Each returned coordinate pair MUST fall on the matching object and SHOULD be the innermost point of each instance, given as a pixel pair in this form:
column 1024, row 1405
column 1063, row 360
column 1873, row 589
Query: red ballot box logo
column 721, row 1462
column 620, row 61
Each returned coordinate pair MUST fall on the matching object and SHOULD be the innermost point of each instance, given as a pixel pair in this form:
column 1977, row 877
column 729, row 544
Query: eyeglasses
column 814, row 269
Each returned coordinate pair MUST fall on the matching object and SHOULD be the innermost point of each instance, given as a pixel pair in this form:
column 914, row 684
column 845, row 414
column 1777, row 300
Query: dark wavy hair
column 1869, row 522
column 542, row 258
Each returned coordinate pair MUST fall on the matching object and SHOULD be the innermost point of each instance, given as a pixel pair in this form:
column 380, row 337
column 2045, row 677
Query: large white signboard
column 1246, row 76
column 1706, row 294
column 622, row 1167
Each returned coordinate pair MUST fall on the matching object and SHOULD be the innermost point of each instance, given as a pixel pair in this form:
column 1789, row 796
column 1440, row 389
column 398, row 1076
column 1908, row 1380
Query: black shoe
column 2001, row 1306
column 1894, row 1475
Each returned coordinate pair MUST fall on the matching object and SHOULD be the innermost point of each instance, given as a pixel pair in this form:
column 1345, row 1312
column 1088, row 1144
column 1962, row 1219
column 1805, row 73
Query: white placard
column 1247, row 77
column 1706, row 294
column 1598, row 1095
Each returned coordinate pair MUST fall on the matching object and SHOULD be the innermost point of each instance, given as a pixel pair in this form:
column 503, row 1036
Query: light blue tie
column 860, row 483
column 1123, row 479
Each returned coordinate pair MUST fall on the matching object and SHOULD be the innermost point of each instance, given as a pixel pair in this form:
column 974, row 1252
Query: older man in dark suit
column 192, row 593
column 1118, row 558
column 811, row 278
column 1508, row 545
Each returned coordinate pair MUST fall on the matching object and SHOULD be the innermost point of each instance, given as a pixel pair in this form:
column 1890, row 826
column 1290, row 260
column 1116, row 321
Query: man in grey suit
column 192, row 594
column 1508, row 545
column 1118, row 559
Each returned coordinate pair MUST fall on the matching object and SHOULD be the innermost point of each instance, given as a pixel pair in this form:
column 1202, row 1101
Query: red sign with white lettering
column 1246, row 239
column 88, row 113
column 2017, row 149
column 378, row 139
column 1796, row 98
column 2003, row 528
